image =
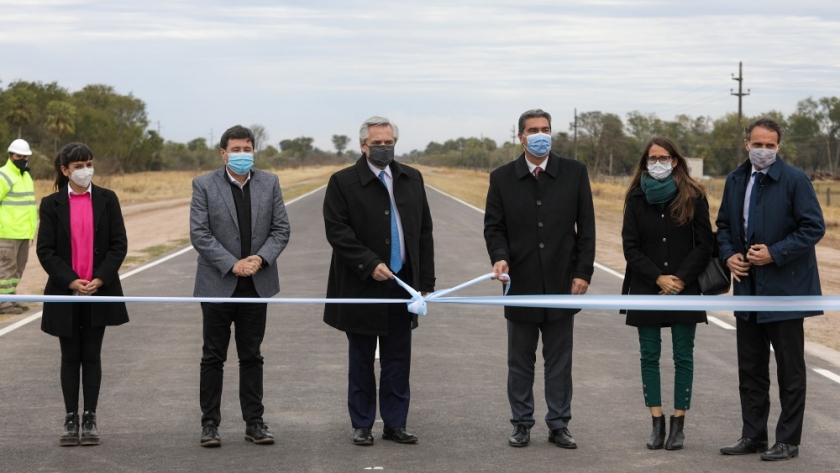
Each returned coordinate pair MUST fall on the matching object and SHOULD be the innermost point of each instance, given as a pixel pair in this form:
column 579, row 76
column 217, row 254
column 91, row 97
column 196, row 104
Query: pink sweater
column 81, row 234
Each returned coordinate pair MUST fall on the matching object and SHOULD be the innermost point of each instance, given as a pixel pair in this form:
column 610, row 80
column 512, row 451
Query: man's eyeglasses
column 661, row 159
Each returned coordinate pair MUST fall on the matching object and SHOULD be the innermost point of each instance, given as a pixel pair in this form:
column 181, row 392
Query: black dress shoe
column 90, row 435
column 70, row 436
column 259, row 434
column 781, row 451
column 745, row 446
column 399, row 435
column 210, row 436
column 562, row 438
column 362, row 437
column 520, row 437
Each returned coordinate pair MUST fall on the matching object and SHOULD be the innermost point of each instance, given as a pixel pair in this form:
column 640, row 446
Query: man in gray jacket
column 238, row 226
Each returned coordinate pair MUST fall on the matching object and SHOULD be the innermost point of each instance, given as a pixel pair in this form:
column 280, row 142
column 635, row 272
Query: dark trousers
column 395, row 367
column 249, row 323
column 788, row 339
column 557, row 355
column 82, row 350
column 650, row 349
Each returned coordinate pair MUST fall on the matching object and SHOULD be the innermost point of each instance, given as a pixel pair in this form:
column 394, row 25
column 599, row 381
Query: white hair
column 364, row 131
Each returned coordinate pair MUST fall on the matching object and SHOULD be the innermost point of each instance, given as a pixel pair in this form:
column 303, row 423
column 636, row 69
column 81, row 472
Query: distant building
column 695, row 167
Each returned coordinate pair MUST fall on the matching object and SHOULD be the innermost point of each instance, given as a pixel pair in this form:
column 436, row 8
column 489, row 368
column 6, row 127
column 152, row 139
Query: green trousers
column 650, row 348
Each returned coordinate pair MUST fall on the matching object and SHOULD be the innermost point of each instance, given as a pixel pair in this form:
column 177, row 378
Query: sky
column 439, row 69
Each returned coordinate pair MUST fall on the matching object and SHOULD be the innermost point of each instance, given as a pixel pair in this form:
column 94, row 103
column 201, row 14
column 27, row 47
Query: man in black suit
column 539, row 227
column 378, row 222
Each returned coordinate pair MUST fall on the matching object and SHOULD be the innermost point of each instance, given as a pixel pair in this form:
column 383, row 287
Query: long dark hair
column 682, row 206
column 71, row 153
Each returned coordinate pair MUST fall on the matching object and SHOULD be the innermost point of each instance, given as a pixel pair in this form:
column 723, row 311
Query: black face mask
column 381, row 155
column 21, row 164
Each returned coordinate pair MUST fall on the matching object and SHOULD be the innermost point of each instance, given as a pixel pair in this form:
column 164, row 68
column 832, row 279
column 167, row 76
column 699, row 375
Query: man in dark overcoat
column 769, row 224
column 539, row 227
column 378, row 222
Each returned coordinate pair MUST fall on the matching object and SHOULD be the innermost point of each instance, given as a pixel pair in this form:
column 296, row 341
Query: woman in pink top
column 81, row 245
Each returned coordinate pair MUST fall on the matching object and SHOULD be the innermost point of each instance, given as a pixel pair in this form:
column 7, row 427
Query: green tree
column 340, row 143
column 61, row 120
column 20, row 108
column 114, row 126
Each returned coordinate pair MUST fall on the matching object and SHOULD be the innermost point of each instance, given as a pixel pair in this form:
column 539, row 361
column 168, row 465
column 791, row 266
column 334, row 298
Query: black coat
column 358, row 227
column 54, row 253
column 544, row 229
column 655, row 245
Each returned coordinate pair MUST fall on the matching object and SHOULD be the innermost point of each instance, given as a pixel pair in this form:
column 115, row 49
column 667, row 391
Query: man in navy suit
column 768, row 226
column 238, row 226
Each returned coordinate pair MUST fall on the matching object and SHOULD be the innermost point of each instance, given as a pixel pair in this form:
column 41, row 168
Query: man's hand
column 381, row 273
column 579, row 286
column 501, row 267
column 247, row 266
column 670, row 284
column 739, row 266
column 759, row 255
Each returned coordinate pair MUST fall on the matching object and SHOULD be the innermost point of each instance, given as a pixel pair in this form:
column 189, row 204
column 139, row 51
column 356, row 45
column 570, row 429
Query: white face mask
column 659, row 170
column 762, row 157
column 82, row 177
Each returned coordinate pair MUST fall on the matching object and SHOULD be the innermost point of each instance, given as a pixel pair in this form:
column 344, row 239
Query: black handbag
column 715, row 278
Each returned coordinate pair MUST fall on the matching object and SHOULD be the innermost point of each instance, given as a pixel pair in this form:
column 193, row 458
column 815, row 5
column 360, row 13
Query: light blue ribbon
column 418, row 304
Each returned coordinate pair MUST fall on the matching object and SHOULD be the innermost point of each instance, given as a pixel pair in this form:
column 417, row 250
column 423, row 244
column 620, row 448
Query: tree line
column 116, row 127
column 612, row 146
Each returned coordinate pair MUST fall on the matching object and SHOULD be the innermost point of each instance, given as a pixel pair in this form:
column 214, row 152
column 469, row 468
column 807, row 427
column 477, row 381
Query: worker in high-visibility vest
column 18, row 221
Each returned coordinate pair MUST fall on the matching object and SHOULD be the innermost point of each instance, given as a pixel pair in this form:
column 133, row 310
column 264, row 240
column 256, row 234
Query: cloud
column 446, row 69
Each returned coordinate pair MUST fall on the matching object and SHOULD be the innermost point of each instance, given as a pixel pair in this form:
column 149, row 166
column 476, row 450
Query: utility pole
column 210, row 144
column 574, row 151
column 741, row 92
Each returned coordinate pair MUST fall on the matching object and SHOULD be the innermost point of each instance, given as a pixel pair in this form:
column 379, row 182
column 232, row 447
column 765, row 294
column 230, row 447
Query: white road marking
column 720, row 323
column 828, row 374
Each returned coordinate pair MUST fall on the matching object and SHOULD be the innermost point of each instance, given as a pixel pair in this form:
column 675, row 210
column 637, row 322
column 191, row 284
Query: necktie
column 396, row 260
column 753, row 197
column 537, row 172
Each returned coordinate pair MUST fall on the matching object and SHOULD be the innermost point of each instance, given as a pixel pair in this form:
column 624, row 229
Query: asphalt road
column 149, row 417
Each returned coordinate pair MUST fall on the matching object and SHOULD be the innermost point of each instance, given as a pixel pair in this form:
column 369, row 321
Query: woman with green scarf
column 667, row 239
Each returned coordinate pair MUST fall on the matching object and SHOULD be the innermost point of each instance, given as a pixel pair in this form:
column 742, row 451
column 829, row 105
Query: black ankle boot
column 70, row 436
column 676, row 436
column 657, row 435
column 90, row 435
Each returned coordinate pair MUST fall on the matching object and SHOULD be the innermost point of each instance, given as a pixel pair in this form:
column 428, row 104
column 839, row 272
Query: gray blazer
column 214, row 232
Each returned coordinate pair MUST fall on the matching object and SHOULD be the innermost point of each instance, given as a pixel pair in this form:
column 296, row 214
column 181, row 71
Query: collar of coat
column 98, row 198
column 223, row 175
column 365, row 176
column 744, row 171
column 553, row 168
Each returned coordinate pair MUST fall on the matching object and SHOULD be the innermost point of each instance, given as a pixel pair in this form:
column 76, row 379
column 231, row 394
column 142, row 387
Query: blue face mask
column 240, row 163
column 539, row 144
